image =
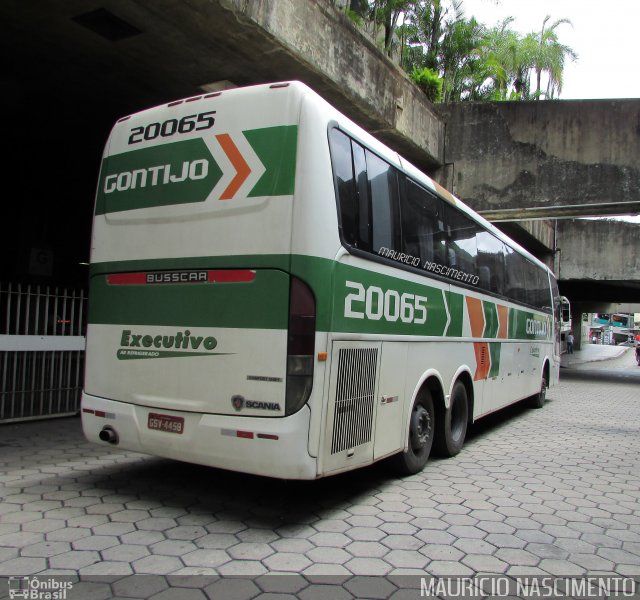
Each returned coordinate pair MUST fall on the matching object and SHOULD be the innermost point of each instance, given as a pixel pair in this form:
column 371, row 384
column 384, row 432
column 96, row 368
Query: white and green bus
column 274, row 291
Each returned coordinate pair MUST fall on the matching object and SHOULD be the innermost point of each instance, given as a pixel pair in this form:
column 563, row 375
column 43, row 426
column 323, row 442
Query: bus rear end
column 200, row 342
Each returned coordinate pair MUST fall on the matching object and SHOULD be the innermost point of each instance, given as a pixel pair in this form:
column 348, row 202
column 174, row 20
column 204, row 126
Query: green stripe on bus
column 260, row 304
column 175, row 173
column 276, row 149
column 490, row 319
column 494, row 353
column 455, row 302
column 374, row 299
column 185, row 171
column 381, row 304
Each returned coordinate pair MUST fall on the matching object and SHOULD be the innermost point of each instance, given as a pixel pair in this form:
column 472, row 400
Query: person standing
column 570, row 340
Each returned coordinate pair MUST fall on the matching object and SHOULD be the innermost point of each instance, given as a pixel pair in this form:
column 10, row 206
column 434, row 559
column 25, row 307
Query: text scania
column 262, row 405
column 181, row 340
column 537, row 328
column 158, row 175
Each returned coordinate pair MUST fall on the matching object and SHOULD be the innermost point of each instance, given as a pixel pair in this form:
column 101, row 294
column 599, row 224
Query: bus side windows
column 352, row 188
column 422, row 233
column 538, row 290
column 516, row 282
column 384, row 212
column 363, row 223
column 344, row 182
column 491, row 269
column 383, row 183
column 461, row 242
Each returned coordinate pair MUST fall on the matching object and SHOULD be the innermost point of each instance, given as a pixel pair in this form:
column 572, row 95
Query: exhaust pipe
column 109, row 435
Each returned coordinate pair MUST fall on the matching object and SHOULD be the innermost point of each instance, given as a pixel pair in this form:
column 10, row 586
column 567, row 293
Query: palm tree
column 550, row 56
column 389, row 14
column 461, row 66
column 506, row 61
column 472, row 61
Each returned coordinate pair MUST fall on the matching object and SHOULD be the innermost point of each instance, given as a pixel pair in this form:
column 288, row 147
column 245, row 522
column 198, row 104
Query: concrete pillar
column 576, row 324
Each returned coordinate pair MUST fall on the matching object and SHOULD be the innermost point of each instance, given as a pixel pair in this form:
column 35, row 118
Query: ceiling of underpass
column 69, row 70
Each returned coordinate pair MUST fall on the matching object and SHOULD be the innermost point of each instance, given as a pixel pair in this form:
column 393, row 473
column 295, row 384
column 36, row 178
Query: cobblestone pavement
column 534, row 492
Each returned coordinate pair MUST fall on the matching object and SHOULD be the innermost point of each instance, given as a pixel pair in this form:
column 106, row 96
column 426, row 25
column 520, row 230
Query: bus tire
column 540, row 398
column 421, row 434
column 452, row 429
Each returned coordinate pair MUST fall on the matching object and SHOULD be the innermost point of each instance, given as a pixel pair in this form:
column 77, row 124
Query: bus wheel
column 452, row 430
column 539, row 399
column 421, row 430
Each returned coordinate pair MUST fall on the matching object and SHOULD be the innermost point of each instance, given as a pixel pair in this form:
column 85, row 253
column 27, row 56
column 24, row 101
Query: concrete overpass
column 70, row 69
column 533, row 160
column 599, row 260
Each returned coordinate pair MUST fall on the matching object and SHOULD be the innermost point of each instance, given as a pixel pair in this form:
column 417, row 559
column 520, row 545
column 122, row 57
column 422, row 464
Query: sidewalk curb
column 581, row 361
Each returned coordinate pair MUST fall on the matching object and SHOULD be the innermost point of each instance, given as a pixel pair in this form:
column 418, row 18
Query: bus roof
column 302, row 91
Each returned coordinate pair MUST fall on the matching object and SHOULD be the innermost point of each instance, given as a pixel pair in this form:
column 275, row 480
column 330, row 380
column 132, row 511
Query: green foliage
column 429, row 82
column 454, row 58
column 354, row 16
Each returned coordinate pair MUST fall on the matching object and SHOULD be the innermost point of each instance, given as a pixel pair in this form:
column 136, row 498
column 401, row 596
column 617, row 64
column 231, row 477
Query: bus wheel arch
column 453, row 421
column 540, row 398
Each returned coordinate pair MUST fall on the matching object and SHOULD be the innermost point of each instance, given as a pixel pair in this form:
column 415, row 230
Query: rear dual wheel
column 421, row 435
column 448, row 434
column 452, row 431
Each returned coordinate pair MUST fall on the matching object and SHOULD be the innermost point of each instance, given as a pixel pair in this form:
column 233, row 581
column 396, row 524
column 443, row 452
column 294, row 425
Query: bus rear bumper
column 273, row 447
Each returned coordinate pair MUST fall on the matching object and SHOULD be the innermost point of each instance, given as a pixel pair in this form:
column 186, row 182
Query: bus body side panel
column 386, row 332
column 495, row 344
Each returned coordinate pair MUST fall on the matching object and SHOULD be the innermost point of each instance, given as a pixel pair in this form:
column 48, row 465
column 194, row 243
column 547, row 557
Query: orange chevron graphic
column 239, row 164
column 483, row 360
column 476, row 316
column 481, row 349
column 503, row 319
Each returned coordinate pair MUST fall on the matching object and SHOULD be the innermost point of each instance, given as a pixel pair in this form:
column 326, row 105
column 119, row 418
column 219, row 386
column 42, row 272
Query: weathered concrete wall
column 518, row 160
column 599, row 250
column 324, row 48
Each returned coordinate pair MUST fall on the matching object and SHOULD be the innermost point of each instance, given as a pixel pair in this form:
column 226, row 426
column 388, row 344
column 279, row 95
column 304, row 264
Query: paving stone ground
column 554, row 491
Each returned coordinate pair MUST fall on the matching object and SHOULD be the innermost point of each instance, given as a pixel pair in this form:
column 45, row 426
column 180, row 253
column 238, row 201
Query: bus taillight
column 300, row 345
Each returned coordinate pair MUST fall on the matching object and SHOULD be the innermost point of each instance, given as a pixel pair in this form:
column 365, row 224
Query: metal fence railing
column 42, row 340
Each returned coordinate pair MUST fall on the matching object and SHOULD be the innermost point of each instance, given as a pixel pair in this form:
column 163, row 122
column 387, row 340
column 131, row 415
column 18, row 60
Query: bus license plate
column 167, row 423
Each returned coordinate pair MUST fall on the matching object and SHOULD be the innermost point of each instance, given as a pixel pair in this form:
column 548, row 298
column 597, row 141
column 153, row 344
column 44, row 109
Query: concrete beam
column 599, row 261
column 599, row 250
column 527, row 160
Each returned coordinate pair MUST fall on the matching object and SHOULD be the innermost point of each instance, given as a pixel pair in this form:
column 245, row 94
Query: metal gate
column 42, row 341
